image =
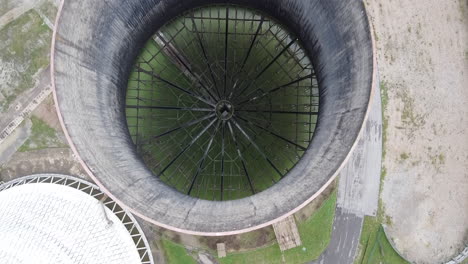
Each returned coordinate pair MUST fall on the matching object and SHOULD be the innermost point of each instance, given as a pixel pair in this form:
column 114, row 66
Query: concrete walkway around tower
column 358, row 189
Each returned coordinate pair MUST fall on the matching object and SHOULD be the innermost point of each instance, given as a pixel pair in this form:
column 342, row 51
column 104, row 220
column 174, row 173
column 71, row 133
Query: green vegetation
column 24, row 49
column 315, row 234
column 384, row 98
column 409, row 116
column 377, row 248
column 404, row 156
column 437, row 160
column 270, row 254
column 251, row 239
column 42, row 136
column 441, row 158
column 374, row 246
column 175, row 253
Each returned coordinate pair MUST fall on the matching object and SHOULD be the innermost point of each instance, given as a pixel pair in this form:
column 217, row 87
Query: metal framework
column 126, row 218
column 222, row 102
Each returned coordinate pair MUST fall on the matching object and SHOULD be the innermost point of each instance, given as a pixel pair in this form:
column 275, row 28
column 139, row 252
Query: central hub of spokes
column 224, row 110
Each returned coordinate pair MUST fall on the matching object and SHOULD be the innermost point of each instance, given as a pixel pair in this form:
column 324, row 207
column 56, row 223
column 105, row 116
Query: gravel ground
column 422, row 50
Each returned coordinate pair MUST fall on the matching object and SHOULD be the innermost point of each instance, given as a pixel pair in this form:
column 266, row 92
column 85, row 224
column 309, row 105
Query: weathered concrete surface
column 360, row 178
column 358, row 190
column 96, row 43
column 10, row 145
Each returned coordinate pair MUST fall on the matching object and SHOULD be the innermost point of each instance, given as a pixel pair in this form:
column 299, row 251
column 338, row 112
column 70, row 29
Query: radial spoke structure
column 222, row 102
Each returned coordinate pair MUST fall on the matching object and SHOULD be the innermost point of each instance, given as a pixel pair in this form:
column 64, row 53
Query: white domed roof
column 53, row 223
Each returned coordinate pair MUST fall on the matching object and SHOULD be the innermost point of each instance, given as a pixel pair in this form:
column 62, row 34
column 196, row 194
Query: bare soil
column 46, row 112
column 422, row 51
column 304, row 214
column 58, row 160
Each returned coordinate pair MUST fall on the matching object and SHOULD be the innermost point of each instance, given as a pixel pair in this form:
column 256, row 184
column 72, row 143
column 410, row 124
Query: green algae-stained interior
column 174, row 106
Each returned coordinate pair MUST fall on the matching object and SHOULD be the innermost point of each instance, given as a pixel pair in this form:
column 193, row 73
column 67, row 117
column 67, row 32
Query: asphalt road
column 345, row 238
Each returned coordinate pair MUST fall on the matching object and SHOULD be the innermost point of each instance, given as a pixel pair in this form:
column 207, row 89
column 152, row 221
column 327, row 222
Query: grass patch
column 441, row 158
column 270, row 254
column 374, row 246
column 175, row 253
column 24, row 50
column 377, row 247
column 251, row 239
column 243, row 242
column 409, row 116
column 384, row 98
column 437, row 160
column 404, row 156
column 42, row 136
column 315, row 234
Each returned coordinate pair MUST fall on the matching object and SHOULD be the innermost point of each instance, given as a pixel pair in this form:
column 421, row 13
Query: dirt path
column 423, row 62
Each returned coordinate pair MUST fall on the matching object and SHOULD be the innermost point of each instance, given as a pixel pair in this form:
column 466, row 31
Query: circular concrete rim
column 246, row 201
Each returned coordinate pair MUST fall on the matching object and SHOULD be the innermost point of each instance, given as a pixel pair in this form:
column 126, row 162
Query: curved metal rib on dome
column 97, row 51
column 135, row 233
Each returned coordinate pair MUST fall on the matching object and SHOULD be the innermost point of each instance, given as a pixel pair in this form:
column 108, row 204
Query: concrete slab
column 221, row 247
column 287, row 234
column 359, row 184
column 16, row 139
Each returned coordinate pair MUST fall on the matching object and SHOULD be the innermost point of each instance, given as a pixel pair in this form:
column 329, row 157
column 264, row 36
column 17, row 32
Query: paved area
column 345, row 238
column 358, row 190
column 12, row 143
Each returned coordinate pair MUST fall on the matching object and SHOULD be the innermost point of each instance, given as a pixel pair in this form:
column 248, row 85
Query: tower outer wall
column 94, row 46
